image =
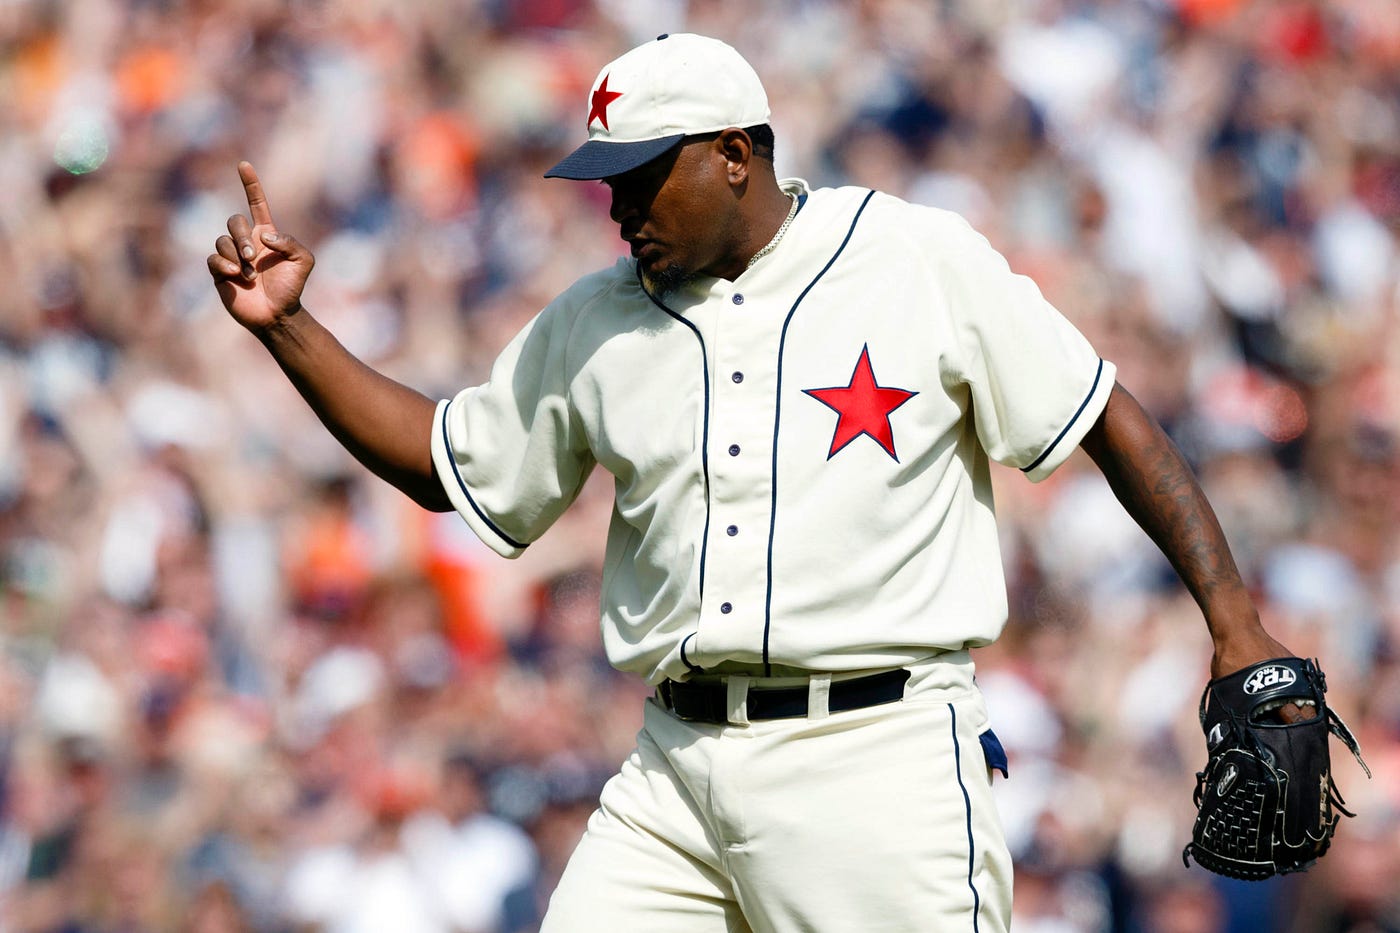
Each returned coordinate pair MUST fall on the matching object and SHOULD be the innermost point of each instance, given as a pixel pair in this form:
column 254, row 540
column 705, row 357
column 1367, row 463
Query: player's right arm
column 260, row 273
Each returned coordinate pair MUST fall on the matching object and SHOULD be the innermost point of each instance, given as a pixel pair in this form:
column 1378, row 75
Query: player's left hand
column 1266, row 801
column 1251, row 646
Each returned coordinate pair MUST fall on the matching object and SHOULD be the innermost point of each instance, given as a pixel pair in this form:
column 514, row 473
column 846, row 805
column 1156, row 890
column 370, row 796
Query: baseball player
column 797, row 393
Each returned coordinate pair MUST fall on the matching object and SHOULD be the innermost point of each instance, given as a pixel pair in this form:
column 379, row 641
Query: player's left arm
column 1154, row 483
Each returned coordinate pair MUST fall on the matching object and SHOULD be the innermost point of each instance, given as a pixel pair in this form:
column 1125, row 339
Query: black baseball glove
column 1266, row 801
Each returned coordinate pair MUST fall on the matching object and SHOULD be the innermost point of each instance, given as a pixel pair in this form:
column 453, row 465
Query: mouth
column 643, row 250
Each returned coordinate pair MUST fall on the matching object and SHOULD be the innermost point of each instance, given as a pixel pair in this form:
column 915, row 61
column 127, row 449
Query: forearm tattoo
column 1157, row 488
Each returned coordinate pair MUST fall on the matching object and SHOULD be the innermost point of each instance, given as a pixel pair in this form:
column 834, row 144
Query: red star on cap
column 599, row 103
column 864, row 407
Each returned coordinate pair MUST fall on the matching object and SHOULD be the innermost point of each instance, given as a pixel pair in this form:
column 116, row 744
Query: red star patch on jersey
column 863, row 407
column 598, row 104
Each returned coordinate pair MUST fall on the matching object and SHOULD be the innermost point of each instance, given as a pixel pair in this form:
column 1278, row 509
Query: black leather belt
column 709, row 702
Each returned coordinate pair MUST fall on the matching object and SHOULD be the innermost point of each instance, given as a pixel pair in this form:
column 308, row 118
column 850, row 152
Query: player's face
column 671, row 212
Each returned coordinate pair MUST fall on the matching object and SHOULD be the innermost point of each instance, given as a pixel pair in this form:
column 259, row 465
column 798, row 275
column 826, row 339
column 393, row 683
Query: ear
column 737, row 149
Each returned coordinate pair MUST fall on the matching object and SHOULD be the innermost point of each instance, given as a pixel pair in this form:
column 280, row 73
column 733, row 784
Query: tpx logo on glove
column 1267, row 678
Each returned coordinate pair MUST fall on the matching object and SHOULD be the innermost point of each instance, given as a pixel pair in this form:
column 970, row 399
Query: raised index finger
column 257, row 201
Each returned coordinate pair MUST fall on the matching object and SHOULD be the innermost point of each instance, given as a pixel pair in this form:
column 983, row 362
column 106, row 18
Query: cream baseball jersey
column 800, row 455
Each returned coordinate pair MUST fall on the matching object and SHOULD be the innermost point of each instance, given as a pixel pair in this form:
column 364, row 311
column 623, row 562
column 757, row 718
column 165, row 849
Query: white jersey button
column 737, row 377
column 738, row 299
column 726, row 608
column 733, row 450
column 732, row 530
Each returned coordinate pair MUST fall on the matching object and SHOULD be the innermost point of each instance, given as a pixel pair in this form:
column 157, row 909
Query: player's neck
column 764, row 224
column 751, row 228
column 772, row 244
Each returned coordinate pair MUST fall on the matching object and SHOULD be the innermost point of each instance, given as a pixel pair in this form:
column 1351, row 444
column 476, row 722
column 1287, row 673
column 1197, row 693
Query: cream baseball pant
column 874, row 819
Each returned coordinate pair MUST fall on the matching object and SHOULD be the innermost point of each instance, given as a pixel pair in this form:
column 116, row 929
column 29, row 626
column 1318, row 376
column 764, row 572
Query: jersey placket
column 744, row 343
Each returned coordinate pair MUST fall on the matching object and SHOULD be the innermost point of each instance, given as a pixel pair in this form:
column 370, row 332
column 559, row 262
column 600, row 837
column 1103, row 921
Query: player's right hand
column 258, row 271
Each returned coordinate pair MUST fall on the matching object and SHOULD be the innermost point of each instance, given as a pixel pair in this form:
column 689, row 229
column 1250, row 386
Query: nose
column 623, row 206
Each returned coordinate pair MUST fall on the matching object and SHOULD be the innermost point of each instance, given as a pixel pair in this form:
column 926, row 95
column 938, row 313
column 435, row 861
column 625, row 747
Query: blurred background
column 244, row 686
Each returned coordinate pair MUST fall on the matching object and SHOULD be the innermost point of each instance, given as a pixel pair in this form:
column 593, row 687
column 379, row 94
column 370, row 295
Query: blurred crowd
column 244, row 686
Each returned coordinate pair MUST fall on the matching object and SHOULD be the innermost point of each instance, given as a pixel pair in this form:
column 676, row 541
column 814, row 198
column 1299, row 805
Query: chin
column 664, row 281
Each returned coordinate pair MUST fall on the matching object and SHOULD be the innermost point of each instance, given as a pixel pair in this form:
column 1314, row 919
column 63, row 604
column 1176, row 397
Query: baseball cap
column 645, row 102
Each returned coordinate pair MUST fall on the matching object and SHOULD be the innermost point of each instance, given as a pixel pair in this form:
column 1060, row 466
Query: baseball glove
column 1266, row 803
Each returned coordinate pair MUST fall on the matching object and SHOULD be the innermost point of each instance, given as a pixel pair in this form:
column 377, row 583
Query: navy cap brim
column 600, row 159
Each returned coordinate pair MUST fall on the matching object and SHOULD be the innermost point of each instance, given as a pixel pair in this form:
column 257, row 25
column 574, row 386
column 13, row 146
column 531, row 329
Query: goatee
column 667, row 280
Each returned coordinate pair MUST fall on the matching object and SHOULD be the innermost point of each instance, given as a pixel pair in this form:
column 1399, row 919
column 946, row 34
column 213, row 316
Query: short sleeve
column 510, row 453
column 1036, row 383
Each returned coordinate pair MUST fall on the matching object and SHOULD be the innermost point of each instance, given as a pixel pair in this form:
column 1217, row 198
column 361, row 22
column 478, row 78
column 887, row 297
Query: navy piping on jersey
column 967, row 807
column 461, row 484
column 777, row 418
column 705, row 430
column 1061, row 436
column 693, row 668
